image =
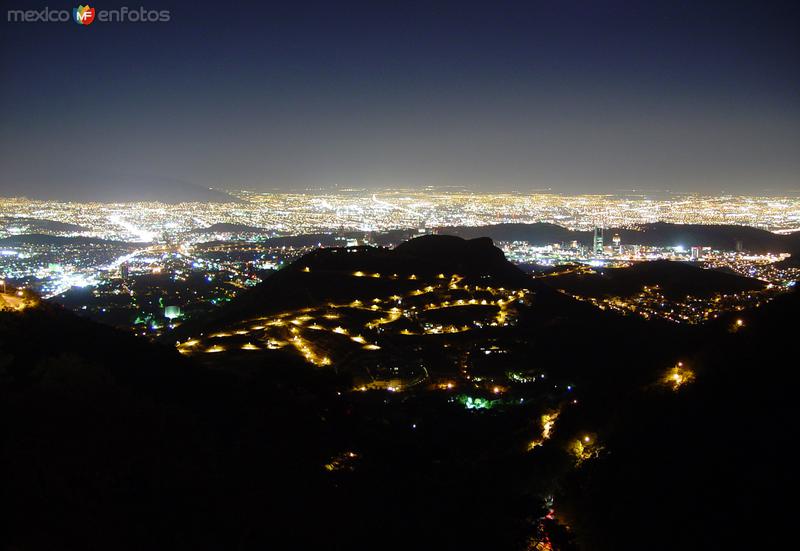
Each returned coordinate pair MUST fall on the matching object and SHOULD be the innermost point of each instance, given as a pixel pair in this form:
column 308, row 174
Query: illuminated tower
column 598, row 241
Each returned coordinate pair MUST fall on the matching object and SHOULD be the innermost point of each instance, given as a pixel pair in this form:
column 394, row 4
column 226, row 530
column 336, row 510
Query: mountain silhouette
column 674, row 280
column 659, row 234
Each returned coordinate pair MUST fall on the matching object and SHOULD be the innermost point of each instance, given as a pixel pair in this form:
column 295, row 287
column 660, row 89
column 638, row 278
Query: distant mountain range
column 119, row 190
column 659, row 234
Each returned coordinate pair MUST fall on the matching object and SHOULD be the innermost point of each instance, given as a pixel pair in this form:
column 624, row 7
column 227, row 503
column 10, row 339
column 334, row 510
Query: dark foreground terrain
column 552, row 426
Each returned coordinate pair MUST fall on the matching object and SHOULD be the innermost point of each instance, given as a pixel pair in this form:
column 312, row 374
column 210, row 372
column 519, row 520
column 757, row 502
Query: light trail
column 144, row 236
column 395, row 207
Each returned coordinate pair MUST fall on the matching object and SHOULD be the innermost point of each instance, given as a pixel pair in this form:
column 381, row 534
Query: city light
column 678, row 376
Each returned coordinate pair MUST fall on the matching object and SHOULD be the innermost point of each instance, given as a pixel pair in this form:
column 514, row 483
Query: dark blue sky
column 573, row 96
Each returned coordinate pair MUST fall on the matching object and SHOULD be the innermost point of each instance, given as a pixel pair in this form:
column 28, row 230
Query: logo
column 84, row 15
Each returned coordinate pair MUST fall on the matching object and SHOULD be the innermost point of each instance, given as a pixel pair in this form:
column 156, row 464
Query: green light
column 475, row 403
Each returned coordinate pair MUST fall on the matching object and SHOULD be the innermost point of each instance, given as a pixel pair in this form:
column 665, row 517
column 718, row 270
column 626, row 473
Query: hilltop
column 432, row 309
column 350, row 273
column 674, row 279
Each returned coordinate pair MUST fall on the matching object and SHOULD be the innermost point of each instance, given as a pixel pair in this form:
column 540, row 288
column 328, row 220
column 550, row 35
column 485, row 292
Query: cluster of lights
column 289, row 328
column 585, row 447
column 397, row 209
column 14, row 299
column 651, row 303
column 678, row 376
column 547, row 424
column 342, row 461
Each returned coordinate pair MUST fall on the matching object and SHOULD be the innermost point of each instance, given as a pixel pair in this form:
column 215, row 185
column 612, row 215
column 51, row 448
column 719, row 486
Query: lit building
column 598, row 240
column 172, row 312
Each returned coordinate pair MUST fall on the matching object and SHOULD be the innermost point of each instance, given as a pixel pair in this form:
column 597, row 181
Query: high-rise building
column 697, row 252
column 598, row 241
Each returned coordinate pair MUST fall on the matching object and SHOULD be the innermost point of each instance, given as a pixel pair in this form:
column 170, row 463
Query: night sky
column 562, row 95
